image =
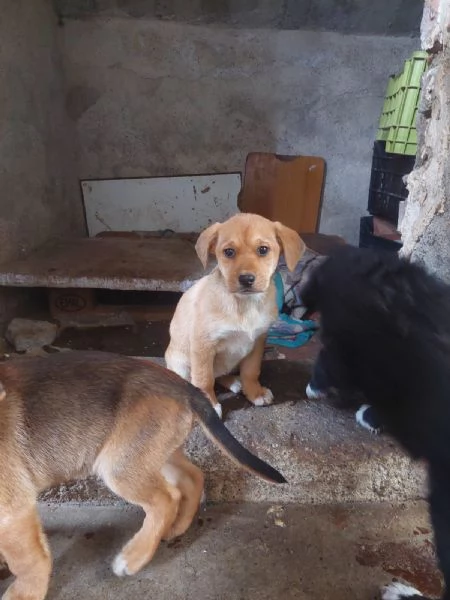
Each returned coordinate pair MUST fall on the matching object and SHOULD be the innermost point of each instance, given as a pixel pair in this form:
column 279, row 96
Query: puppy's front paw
column 314, row 394
column 120, row 566
column 399, row 591
column 218, row 409
column 264, row 399
column 366, row 418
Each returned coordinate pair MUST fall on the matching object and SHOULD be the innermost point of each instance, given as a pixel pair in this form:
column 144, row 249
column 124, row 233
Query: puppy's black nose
column 247, row 279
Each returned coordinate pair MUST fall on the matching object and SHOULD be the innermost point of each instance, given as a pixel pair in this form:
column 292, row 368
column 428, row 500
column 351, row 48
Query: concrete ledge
column 323, row 453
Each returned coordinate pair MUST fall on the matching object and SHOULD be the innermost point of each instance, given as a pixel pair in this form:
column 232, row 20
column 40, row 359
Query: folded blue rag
column 287, row 331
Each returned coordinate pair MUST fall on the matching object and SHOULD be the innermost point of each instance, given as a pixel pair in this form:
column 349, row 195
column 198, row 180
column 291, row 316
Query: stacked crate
column 394, row 152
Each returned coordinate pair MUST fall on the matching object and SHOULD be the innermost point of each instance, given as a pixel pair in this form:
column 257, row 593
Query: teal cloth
column 287, row 331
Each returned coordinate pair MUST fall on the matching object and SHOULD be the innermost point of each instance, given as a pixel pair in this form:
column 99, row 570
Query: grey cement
column 432, row 250
column 385, row 17
column 325, row 456
column 246, row 552
column 40, row 196
column 38, row 180
column 426, row 224
column 152, row 98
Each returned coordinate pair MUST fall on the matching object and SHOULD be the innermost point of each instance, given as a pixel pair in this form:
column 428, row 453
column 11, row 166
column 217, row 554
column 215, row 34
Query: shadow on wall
column 384, row 17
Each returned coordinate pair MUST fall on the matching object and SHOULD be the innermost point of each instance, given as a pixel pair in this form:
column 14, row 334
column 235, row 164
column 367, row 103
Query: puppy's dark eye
column 229, row 252
column 262, row 250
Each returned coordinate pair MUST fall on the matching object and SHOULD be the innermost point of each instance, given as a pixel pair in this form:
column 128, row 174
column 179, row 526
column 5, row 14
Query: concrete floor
column 246, row 552
column 325, row 456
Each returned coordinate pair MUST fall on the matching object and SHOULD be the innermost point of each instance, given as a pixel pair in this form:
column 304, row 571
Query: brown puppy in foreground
column 221, row 322
column 77, row 413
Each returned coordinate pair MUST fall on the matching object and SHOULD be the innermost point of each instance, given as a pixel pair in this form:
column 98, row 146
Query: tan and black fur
column 77, row 413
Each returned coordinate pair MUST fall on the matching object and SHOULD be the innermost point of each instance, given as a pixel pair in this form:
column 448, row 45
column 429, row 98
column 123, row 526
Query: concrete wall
column 426, row 225
column 38, row 180
column 157, row 98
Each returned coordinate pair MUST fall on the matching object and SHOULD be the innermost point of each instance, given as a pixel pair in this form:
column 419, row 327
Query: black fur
column 385, row 328
column 321, row 386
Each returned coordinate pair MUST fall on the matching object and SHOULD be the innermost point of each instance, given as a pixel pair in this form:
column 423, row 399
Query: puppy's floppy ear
column 206, row 243
column 291, row 243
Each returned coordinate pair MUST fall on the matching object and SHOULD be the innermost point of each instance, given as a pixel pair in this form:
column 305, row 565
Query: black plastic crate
column 368, row 240
column 386, row 189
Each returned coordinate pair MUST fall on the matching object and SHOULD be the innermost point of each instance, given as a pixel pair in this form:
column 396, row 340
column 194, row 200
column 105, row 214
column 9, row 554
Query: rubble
column 28, row 334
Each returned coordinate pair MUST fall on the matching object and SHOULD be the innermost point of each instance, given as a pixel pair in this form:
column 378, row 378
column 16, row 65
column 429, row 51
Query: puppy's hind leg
column 400, row 591
column 231, row 382
column 440, row 517
column 24, row 547
column 202, row 374
column 178, row 363
column 160, row 502
column 180, row 472
column 319, row 385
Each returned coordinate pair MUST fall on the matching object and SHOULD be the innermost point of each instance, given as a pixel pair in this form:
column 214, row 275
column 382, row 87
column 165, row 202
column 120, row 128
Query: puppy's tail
column 219, row 434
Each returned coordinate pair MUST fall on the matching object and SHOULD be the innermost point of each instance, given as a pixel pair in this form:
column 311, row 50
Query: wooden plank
column 182, row 204
column 284, row 188
column 115, row 263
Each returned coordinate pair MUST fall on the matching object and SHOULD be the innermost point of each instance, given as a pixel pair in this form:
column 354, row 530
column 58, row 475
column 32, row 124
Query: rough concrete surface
column 426, row 224
column 323, row 453
column 434, row 30
column 40, row 198
column 151, row 98
column 388, row 17
column 112, row 263
column 246, row 552
column 39, row 192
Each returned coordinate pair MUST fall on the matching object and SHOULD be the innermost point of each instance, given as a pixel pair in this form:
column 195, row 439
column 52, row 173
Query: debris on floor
column 28, row 334
column 277, row 513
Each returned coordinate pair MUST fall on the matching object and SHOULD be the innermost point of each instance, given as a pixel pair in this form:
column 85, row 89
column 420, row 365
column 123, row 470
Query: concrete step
column 245, row 552
column 324, row 454
column 124, row 262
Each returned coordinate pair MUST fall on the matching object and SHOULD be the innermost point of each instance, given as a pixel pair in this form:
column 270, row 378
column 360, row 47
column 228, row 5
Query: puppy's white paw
column 398, row 591
column 265, row 399
column 236, row 386
column 120, row 566
column 218, row 409
column 203, row 498
column 314, row 394
column 359, row 416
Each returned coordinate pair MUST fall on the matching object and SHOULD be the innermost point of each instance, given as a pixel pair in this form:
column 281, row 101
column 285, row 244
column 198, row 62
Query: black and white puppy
column 385, row 328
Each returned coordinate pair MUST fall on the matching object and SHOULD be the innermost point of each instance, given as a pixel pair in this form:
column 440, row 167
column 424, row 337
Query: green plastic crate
column 391, row 107
column 397, row 126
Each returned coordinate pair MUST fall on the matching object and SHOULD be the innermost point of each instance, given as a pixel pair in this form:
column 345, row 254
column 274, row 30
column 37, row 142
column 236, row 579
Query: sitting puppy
column 385, row 327
column 221, row 322
column 123, row 419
